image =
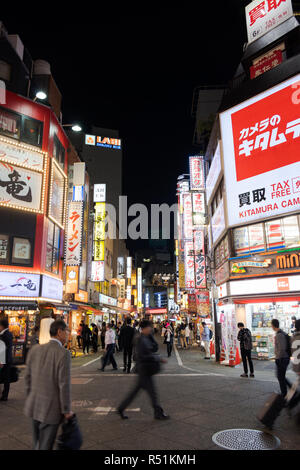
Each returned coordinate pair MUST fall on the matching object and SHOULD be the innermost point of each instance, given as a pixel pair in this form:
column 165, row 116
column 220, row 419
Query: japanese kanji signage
column 197, row 181
column 261, row 154
column 99, row 231
column 20, row 187
column 189, row 264
column 74, row 234
column 264, row 15
column 266, row 63
column 200, row 272
column 99, row 192
column 187, row 217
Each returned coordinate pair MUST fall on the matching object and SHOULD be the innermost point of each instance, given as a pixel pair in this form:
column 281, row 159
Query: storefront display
column 21, row 325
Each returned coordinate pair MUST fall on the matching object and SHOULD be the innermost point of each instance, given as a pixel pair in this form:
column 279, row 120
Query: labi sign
column 273, row 264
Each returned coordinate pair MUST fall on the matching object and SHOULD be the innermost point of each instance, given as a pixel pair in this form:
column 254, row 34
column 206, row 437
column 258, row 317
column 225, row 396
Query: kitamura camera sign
column 261, row 146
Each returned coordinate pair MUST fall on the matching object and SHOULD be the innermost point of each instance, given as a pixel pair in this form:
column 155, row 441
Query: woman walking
column 169, row 338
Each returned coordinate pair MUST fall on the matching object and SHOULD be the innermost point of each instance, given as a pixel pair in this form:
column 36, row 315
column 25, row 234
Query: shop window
column 275, row 234
column 21, row 251
column 248, row 239
column 291, row 231
column 58, row 152
column 53, row 241
column 4, row 249
column 10, row 124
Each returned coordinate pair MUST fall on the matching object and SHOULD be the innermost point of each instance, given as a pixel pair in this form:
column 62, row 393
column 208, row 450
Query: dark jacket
column 86, row 333
column 7, row 338
column 126, row 337
column 245, row 338
column 281, row 345
column 146, row 352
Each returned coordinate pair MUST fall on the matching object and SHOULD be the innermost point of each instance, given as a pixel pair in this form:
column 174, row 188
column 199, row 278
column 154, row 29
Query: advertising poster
column 19, row 284
column 20, row 188
column 264, row 15
column 218, row 222
column 57, row 194
column 214, row 173
column 52, row 288
column 261, row 154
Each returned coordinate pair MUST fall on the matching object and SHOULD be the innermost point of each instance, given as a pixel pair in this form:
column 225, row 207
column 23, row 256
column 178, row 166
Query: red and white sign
column 156, row 311
column 189, row 265
column 74, row 234
column 198, row 203
column 266, row 63
column 283, row 284
column 200, row 272
column 261, row 143
column 97, row 274
column 202, row 297
column 197, row 180
column 187, row 216
column 264, row 15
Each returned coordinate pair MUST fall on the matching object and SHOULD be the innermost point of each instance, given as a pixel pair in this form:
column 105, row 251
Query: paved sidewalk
column 201, row 397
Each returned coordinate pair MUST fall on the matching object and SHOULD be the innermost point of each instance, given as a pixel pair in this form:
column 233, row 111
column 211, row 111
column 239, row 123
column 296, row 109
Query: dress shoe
column 161, row 415
column 121, row 413
column 252, row 375
column 244, row 375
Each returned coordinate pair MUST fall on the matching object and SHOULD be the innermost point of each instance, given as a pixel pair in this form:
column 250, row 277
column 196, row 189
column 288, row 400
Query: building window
column 21, row 251
column 283, row 233
column 58, row 152
column 10, row 124
column 20, row 127
column 248, row 239
column 31, row 132
column 4, row 249
column 53, row 241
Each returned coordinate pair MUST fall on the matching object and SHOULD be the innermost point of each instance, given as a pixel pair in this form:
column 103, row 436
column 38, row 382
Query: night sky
column 136, row 72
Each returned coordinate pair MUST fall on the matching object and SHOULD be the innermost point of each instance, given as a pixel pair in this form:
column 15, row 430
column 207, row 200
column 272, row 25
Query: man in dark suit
column 126, row 343
column 7, row 338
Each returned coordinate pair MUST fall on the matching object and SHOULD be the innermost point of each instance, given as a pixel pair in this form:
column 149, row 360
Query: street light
column 40, row 95
column 75, row 127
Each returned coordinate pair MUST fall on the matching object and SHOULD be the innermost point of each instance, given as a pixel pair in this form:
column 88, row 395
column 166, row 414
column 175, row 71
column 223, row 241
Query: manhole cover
column 245, row 439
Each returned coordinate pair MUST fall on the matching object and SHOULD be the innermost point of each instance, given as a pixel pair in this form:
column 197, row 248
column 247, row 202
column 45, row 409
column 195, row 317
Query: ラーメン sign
column 261, row 146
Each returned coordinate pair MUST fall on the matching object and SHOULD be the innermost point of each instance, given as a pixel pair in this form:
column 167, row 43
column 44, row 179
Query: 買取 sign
column 264, row 15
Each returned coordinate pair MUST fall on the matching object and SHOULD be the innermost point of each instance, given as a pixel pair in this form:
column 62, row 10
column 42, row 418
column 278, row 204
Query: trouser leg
column 282, row 365
column 112, row 358
column 129, row 358
column 35, row 434
column 47, row 435
column 206, row 345
column 250, row 361
column 126, row 402
column 244, row 359
column 148, row 385
column 125, row 357
column 6, row 382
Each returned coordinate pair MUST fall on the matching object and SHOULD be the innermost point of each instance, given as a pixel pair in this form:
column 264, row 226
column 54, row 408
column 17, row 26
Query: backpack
column 288, row 344
column 210, row 334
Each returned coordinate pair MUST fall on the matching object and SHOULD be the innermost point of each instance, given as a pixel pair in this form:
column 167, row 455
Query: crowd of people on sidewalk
column 48, row 367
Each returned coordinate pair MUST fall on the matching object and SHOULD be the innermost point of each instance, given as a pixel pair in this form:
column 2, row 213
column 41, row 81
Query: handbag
column 70, row 437
column 13, row 375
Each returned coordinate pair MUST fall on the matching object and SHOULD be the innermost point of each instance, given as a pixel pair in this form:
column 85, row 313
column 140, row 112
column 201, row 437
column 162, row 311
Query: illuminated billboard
column 261, row 148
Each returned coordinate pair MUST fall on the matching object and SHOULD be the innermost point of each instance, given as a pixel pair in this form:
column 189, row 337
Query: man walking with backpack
column 245, row 339
column 283, row 353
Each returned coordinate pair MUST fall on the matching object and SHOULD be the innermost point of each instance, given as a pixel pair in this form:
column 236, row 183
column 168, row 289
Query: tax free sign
column 261, row 148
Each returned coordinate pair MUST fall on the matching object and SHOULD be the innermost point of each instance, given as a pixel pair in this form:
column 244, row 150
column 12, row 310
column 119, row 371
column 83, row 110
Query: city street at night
column 150, row 233
column 201, row 398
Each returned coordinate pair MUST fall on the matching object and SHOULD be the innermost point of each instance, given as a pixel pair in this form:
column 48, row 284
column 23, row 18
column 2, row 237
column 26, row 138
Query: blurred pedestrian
column 283, row 353
column 206, row 339
column 187, row 334
column 182, row 336
column 48, row 386
column 110, row 342
column 7, row 338
column 245, row 339
column 127, row 333
column 94, row 337
column 148, row 364
column 169, row 338
column 103, row 331
column 79, row 334
column 86, row 339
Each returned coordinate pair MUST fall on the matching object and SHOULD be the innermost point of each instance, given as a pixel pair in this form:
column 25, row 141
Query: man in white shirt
column 110, row 342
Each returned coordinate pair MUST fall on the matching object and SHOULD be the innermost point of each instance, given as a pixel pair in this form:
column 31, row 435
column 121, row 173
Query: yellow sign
column 99, row 250
column 72, row 275
column 181, row 275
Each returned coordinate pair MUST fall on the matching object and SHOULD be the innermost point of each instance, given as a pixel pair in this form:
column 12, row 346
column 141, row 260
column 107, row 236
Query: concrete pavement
column 201, row 397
